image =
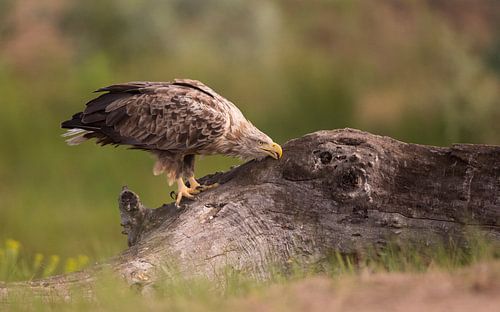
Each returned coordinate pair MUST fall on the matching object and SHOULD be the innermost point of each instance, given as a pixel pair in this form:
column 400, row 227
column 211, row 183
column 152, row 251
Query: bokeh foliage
column 421, row 71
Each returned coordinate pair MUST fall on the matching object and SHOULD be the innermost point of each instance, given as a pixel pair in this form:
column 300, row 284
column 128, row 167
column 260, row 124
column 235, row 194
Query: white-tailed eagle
column 173, row 120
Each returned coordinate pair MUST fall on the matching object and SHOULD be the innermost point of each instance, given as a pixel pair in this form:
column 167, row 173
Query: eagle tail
column 72, row 132
column 76, row 136
column 77, row 132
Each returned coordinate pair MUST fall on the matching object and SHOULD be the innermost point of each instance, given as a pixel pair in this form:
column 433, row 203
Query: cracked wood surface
column 340, row 190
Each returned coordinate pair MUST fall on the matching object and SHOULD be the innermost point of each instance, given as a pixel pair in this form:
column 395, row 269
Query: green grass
column 174, row 292
column 16, row 265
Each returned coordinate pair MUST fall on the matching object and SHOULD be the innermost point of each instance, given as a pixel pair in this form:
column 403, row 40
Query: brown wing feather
column 183, row 116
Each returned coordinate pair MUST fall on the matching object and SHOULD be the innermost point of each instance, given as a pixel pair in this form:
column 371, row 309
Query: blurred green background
column 420, row 71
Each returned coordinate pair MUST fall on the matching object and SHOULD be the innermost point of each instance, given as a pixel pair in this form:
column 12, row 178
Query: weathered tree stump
column 342, row 190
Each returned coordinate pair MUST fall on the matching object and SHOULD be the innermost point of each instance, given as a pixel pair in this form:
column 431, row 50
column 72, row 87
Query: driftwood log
column 333, row 191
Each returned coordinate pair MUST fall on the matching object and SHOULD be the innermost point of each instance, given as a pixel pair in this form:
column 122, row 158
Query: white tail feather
column 72, row 132
column 76, row 136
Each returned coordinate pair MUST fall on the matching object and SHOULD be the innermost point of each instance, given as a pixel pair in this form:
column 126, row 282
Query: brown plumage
column 173, row 120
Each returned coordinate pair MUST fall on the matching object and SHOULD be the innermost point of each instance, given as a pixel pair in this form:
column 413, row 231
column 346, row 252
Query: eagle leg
column 195, row 185
column 184, row 191
column 188, row 171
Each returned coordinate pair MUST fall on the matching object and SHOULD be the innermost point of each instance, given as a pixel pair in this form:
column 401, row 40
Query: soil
column 473, row 289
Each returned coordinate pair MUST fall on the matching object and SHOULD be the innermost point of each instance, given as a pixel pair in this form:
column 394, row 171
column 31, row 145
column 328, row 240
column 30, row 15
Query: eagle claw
column 189, row 192
column 195, row 185
column 184, row 192
column 203, row 188
column 173, row 195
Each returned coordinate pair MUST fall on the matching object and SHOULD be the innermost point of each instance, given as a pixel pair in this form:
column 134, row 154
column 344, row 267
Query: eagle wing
column 179, row 116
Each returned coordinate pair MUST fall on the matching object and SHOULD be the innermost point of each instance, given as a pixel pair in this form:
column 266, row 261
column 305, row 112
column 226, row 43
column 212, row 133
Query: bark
column 333, row 191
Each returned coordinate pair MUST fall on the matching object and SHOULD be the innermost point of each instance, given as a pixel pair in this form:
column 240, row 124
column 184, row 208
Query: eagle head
column 251, row 143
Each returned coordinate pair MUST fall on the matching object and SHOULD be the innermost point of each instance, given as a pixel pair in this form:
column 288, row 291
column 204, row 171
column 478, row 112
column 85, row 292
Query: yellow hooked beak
column 274, row 150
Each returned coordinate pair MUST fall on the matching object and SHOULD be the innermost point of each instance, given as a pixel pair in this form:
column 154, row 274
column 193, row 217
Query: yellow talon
column 208, row 187
column 193, row 189
column 195, row 185
column 183, row 191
